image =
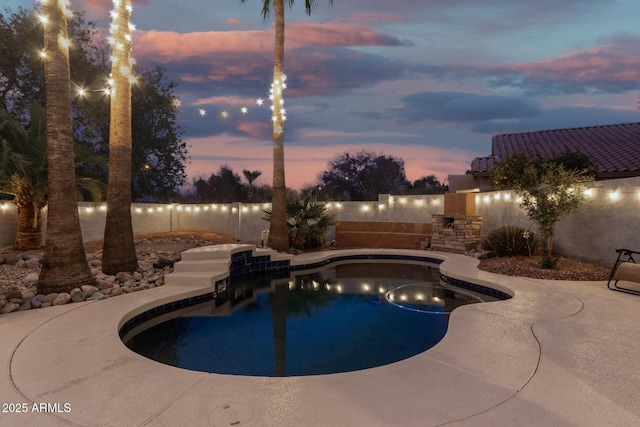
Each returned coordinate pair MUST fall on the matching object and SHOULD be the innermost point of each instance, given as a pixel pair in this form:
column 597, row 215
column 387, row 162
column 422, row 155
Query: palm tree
column 278, row 234
column 251, row 176
column 119, row 252
column 307, row 219
column 23, row 173
column 64, row 265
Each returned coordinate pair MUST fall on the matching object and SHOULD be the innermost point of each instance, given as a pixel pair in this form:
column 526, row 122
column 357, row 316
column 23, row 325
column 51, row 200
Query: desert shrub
column 549, row 261
column 511, row 240
column 307, row 219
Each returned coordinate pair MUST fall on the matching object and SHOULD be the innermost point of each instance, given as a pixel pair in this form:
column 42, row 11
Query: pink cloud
column 256, row 130
column 338, row 34
column 595, row 63
column 173, row 46
column 169, row 46
column 103, row 7
column 234, row 22
column 227, row 100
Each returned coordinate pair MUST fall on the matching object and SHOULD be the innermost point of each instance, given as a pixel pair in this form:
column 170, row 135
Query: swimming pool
column 340, row 318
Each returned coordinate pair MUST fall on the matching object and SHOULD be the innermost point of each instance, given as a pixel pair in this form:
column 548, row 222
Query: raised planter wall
column 383, row 234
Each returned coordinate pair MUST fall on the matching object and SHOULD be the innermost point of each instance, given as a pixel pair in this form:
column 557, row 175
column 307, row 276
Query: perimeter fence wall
column 609, row 220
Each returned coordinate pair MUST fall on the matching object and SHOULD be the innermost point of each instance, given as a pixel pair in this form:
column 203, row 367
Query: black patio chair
column 625, row 269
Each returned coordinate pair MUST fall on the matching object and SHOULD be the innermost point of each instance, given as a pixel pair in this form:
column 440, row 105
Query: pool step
column 201, row 265
column 199, row 278
column 215, row 252
column 208, row 264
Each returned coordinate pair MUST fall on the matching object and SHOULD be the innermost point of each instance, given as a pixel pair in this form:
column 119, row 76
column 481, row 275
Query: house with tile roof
column 613, row 149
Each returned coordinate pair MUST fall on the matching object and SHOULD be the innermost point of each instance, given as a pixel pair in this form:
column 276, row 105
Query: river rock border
column 152, row 267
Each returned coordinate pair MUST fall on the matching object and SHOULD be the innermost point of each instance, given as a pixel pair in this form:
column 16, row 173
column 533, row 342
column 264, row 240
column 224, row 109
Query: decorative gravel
column 567, row 269
column 156, row 254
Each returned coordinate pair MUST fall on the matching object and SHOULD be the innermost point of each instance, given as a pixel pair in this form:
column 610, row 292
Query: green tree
column 64, row 265
column 251, row 176
column 159, row 153
column 278, row 238
column 549, row 189
column 427, row 185
column 363, row 175
column 119, row 251
column 223, row 187
column 23, row 173
column 22, row 65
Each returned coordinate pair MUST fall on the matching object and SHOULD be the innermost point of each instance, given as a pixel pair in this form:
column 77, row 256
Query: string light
column 277, row 105
column 120, row 41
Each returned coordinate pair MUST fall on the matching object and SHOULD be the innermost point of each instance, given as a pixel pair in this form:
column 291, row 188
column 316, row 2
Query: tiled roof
column 483, row 164
column 613, row 149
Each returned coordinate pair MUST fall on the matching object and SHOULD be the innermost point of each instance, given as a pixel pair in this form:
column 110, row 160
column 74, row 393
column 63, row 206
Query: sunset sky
column 428, row 81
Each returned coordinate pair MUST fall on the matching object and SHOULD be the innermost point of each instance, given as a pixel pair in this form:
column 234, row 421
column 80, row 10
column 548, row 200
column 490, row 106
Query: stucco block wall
column 592, row 233
column 8, row 223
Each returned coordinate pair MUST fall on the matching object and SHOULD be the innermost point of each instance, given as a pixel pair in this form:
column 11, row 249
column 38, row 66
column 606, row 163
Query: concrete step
column 200, row 278
column 215, row 252
column 201, row 265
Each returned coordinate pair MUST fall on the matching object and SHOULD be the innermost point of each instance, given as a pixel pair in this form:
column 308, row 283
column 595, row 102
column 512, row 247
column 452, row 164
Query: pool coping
column 519, row 361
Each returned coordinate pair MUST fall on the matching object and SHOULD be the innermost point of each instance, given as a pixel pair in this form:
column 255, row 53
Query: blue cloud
column 463, row 107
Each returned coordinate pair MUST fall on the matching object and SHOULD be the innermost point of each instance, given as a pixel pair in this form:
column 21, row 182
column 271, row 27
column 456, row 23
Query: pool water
column 344, row 318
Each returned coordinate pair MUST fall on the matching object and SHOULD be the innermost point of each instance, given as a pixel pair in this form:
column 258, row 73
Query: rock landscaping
column 19, row 274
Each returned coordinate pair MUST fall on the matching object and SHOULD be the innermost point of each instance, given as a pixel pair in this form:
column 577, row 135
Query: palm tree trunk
column 29, row 234
column 119, row 252
column 278, row 233
column 64, row 265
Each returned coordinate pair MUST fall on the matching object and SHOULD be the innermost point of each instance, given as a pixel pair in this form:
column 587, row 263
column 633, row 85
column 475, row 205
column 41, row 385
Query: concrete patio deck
column 557, row 354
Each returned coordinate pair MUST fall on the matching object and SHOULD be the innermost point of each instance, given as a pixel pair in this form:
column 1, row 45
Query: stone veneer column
column 459, row 229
